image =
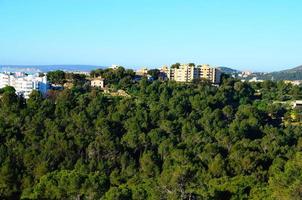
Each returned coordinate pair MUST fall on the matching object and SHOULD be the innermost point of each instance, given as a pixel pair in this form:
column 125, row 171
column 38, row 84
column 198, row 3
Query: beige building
column 165, row 69
column 296, row 82
column 142, row 72
column 186, row 73
column 210, row 73
column 98, row 82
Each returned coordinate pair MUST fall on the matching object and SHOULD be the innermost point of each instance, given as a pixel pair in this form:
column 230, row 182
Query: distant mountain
column 47, row 68
column 288, row 74
column 293, row 70
column 228, row 70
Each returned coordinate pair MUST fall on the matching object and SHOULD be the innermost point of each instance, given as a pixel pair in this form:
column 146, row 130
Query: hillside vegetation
column 166, row 141
column 290, row 74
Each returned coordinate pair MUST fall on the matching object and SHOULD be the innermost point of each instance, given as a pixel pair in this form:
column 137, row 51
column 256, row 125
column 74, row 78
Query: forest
column 292, row 75
column 165, row 141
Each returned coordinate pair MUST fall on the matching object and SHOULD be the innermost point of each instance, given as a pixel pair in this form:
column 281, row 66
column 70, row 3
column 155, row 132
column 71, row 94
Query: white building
column 254, row 79
column 297, row 104
column 24, row 84
column 114, row 67
column 98, row 82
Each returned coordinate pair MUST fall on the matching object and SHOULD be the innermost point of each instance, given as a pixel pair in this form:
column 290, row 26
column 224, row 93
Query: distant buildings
column 245, row 74
column 255, row 79
column 142, row 72
column 296, row 82
column 297, row 104
column 184, row 73
column 163, row 73
column 114, row 67
column 98, row 82
column 188, row 73
column 24, row 84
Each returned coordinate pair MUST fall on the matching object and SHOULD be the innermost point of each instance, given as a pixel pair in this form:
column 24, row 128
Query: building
column 98, row 82
column 245, row 74
column 297, row 104
column 295, row 82
column 187, row 73
column 255, row 79
column 24, row 84
column 142, row 72
column 164, row 70
column 114, row 67
column 209, row 73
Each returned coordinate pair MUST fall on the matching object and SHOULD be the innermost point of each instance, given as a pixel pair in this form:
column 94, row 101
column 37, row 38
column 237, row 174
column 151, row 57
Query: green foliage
column 118, row 78
column 286, row 181
column 167, row 141
column 78, row 79
column 7, row 89
column 282, row 75
column 60, row 77
column 56, row 77
column 176, row 65
column 192, row 64
column 154, row 73
column 67, row 184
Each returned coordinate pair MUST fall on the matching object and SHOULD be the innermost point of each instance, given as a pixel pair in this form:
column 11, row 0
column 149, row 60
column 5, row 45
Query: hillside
column 166, row 140
column 228, row 70
column 289, row 74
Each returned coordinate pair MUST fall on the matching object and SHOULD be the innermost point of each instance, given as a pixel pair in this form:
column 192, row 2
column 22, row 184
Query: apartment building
column 24, row 84
column 187, row 73
column 210, row 73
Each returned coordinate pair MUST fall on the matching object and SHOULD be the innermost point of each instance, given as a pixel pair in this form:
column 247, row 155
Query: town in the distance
column 25, row 83
column 25, row 80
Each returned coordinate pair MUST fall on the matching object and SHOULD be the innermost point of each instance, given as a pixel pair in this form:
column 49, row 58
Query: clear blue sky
column 261, row 35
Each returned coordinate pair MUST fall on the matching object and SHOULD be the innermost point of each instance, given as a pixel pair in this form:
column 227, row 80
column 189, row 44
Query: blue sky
column 259, row 35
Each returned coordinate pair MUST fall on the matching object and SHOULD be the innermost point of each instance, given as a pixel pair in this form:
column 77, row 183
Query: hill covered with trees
column 167, row 141
column 289, row 74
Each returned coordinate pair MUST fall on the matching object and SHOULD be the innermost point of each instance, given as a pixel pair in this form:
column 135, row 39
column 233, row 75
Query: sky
column 257, row 35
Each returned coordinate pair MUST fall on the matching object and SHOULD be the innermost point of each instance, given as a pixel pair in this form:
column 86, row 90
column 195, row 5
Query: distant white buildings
column 255, row 79
column 24, row 84
column 245, row 74
column 114, row 67
column 297, row 104
column 295, row 82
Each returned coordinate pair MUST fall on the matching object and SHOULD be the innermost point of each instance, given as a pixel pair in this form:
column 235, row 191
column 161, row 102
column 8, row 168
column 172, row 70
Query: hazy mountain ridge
column 228, row 70
column 293, row 70
column 288, row 74
column 46, row 68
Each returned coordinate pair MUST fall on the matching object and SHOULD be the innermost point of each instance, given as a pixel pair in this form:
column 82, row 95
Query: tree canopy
column 166, row 141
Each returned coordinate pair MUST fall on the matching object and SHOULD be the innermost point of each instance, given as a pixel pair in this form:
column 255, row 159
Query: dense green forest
column 289, row 74
column 167, row 141
column 277, row 76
